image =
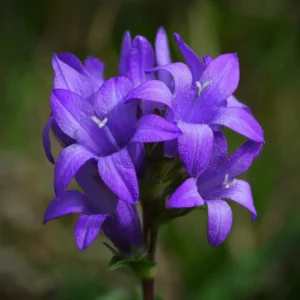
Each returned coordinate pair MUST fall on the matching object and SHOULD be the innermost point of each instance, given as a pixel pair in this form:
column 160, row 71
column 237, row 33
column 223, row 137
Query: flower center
column 201, row 87
column 227, row 184
column 102, row 124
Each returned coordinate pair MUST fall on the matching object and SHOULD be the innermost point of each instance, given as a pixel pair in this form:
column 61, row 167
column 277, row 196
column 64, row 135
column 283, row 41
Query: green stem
column 148, row 284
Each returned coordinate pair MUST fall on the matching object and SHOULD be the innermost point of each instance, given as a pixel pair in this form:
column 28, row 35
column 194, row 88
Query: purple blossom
column 99, row 208
column 99, row 125
column 216, row 183
column 107, row 131
column 136, row 57
column 84, row 80
column 200, row 107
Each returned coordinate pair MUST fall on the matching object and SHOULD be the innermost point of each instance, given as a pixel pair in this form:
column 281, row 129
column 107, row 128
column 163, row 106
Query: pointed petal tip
column 219, row 221
column 185, row 196
column 254, row 217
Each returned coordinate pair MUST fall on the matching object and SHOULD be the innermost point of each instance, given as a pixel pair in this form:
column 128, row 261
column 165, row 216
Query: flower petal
column 109, row 104
column 137, row 155
column 87, row 229
column 195, row 146
column 221, row 78
column 73, row 115
column 46, row 140
column 153, row 128
column 183, row 80
column 207, row 60
column 95, row 69
column 162, row 52
column 67, row 203
column 171, row 148
column 123, row 228
column 125, row 53
column 152, row 90
column 141, row 58
column 192, row 59
column 219, row 221
column 236, row 164
column 71, row 75
column 69, row 161
column 100, row 198
column 220, row 150
column 186, row 195
column 241, row 121
column 63, row 139
column 234, row 102
column 240, row 193
column 118, row 173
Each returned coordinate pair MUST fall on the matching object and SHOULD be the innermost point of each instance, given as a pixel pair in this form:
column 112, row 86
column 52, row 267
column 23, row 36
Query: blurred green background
column 259, row 260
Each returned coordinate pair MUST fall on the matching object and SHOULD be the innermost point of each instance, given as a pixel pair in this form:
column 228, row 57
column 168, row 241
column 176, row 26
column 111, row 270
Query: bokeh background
column 259, row 260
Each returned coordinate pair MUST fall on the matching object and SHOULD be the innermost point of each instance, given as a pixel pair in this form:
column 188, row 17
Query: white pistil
column 100, row 123
column 227, row 184
column 201, row 87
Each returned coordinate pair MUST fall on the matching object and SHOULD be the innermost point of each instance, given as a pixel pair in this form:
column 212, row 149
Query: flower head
column 102, row 126
column 216, row 183
column 99, row 208
column 200, row 107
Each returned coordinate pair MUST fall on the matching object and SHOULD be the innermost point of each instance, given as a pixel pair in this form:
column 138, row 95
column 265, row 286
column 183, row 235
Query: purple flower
column 107, row 131
column 99, row 208
column 137, row 56
column 199, row 107
column 71, row 75
column 84, row 80
column 197, row 67
column 216, row 183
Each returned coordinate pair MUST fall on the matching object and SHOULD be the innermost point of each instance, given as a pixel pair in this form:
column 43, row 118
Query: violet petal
column 192, row 59
column 219, row 221
column 152, row 90
column 118, row 173
column 195, row 146
column 69, row 161
column 47, row 141
column 240, row 193
column 241, row 121
column 123, row 228
column 141, row 58
column 87, row 228
column 121, row 116
column 125, row 53
column 186, row 195
column 153, row 128
column 67, row 203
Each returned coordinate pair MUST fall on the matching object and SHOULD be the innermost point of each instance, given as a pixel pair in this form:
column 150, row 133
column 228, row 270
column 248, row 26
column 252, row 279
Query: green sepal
column 141, row 267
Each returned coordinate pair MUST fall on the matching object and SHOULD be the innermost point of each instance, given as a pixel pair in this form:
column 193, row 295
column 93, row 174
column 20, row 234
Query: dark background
column 259, row 260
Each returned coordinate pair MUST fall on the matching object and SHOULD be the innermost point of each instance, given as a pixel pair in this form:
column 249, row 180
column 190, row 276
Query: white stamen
column 201, row 87
column 227, row 184
column 100, row 123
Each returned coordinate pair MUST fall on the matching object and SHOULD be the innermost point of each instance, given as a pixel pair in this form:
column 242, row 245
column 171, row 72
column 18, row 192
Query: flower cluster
column 152, row 134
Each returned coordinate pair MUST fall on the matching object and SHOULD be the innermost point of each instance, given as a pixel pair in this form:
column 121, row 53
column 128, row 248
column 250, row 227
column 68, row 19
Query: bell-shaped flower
column 98, row 208
column 70, row 74
column 108, row 132
column 198, row 108
column 136, row 57
column 216, row 183
column 197, row 67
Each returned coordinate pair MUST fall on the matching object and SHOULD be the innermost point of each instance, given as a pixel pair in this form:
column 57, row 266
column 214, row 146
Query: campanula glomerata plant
column 150, row 137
